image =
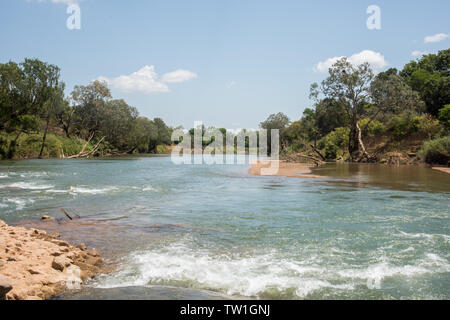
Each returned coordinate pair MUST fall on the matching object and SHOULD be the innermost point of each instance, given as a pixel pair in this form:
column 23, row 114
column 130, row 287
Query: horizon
column 227, row 64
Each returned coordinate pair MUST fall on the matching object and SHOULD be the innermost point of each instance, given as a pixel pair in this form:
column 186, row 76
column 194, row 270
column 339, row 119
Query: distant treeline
column 37, row 120
column 360, row 116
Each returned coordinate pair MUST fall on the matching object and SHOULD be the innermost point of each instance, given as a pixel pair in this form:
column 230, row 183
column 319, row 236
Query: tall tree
column 350, row 86
column 430, row 76
column 277, row 121
column 90, row 102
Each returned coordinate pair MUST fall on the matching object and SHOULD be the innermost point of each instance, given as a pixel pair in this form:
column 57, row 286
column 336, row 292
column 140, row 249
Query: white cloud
column 436, row 38
column 178, row 76
column 146, row 80
column 375, row 59
column 417, row 53
column 231, row 84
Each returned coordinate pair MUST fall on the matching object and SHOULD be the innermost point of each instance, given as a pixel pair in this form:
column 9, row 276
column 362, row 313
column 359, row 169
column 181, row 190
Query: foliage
column 372, row 128
column 430, row 77
column 444, row 116
column 335, row 143
column 32, row 100
column 436, row 151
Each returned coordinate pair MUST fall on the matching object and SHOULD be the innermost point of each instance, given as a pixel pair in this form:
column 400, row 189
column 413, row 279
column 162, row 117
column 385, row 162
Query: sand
column 443, row 169
column 285, row 169
column 35, row 265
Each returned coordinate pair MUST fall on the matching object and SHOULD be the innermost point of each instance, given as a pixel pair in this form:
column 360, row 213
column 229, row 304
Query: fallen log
column 83, row 154
column 318, row 152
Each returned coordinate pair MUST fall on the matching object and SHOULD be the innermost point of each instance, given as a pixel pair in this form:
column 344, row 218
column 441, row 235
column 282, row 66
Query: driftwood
column 318, row 152
column 68, row 215
column 316, row 161
column 82, row 153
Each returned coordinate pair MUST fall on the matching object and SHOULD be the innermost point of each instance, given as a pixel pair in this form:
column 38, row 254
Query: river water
column 360, row 232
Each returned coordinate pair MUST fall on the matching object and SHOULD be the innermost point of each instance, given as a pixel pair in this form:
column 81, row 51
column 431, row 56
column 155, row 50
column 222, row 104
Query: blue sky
column 228, row 63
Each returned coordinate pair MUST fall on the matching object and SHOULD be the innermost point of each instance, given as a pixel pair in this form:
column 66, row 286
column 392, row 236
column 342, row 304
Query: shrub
column 399, row 125
column 160, row 149
column 426, row 125
column 375, row 127
column 444, row 116
column 436, row 151
column 335, row 143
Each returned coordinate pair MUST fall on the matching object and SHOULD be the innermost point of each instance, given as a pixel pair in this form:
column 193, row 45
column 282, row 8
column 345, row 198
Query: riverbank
column 35, row 265
column 285, row 169
column 442, row 169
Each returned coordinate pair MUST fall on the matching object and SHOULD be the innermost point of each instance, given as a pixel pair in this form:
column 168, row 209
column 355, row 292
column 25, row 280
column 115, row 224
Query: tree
column 24, row 91
column 89, row 107
column 391, row 95
column 444, row 116
column 278, row 121
column 430, row 76
column 350, row 86
column 164, row 132
column 143, row 132
column 116, row 124
column 329, row 115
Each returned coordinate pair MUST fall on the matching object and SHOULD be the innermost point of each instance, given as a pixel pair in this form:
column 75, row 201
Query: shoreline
column 285, row 169
column 35, row 265
column 442, row 169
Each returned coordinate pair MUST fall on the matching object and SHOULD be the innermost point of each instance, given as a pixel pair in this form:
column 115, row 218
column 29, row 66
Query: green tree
column 90, row 102
column 444, row 116
column 277, row 121
column 350, row 87
column 430, row 76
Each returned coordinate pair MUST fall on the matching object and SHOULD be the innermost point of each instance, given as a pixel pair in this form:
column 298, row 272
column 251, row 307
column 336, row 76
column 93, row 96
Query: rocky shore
column 35, row 265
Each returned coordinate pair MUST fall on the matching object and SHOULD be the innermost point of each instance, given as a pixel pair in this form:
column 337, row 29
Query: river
column 360, row 232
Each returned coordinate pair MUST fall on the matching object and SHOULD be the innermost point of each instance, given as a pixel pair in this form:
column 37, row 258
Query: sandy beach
column 442, row 169
column 35, row 265
column 285, row 169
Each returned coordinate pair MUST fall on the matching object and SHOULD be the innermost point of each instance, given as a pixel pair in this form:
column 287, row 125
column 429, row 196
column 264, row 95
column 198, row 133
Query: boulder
column 59, row 263
column 93, row 253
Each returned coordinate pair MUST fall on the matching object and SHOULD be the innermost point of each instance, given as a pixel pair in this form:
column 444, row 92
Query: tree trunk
column 45, row 136
column 353, row 141
column 361, row 144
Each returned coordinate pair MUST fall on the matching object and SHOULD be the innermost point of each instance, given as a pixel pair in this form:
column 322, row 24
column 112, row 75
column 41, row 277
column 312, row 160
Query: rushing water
column 361, row 232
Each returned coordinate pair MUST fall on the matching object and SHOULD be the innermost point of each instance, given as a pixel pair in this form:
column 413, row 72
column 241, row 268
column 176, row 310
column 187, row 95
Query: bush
column 444, row 116
column 161, row 149
column 335, row 143
column 374, row 128
column 29, row 146
column 399, row 125
column 436, row 151
column 426, row 125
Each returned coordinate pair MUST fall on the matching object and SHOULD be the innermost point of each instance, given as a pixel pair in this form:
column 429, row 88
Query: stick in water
column 67, row 215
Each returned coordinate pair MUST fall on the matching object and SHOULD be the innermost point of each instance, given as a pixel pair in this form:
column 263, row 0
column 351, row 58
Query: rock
column 48, row 218
column 5, row 286
column 1, row 263
column 95, row 261
column 93, row 253
column 61, row 243
column 82, row 247
column 54, row 235
column 59, row 263
column 32, row 271
column 3, row 224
